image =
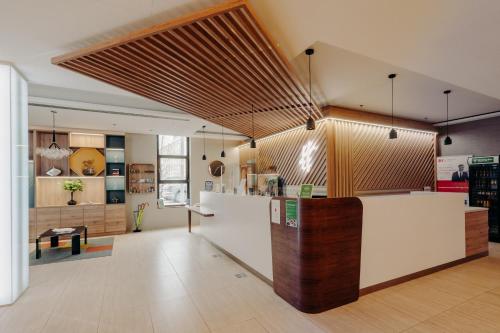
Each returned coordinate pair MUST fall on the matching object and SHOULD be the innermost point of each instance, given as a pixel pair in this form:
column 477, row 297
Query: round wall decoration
column 216, row 168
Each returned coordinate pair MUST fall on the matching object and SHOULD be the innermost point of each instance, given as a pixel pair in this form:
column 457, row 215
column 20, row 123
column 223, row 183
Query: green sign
column 291, row 213
column 485, row 160
column 306, row 191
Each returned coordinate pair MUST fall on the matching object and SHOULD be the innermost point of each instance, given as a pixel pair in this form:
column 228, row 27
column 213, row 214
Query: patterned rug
column 96, row 247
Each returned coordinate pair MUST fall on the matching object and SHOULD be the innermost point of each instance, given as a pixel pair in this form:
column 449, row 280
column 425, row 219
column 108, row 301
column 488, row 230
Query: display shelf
column 115, row 196
column 115, row 155
column 115, row 183
column 141, row 178
column 115, row 169
column 115, row 141
column 484, row 179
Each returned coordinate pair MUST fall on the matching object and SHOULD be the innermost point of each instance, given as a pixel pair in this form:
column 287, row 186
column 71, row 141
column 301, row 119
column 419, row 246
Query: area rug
column 96, row 248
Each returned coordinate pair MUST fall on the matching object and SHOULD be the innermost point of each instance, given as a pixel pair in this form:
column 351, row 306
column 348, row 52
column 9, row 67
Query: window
column 173, row 169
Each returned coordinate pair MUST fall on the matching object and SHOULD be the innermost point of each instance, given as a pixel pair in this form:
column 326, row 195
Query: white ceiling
column 348, row 79
column 432, row 44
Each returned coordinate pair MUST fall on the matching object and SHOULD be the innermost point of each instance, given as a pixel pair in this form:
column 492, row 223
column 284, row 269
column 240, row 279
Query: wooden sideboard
column 100, row 219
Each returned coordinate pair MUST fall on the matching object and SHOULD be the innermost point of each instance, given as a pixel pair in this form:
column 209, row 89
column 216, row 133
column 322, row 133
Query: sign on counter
column 291, row 213
column 275, row 211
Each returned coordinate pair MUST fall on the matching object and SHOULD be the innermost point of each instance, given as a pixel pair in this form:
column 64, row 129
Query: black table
column 54, row 239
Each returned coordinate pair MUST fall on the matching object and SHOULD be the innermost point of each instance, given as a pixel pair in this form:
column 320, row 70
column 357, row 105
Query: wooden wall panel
column 285, row 151
column 364, row 161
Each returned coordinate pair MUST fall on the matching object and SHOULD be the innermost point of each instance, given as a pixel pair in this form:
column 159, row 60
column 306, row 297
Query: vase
column 72, row 202
column 88, row 171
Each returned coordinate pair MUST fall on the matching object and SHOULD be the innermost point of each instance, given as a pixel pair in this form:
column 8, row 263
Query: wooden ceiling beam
column 213, row 64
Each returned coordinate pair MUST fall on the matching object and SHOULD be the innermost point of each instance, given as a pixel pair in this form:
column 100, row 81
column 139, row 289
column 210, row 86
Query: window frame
column 158, row 165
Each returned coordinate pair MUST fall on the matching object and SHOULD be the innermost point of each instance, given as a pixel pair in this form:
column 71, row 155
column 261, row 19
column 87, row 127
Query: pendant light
column 204, row 157
column 223, row 153
column 253, row 144
column 392, row 134
column 310, row 124
column 447, row 141
column 53, row 151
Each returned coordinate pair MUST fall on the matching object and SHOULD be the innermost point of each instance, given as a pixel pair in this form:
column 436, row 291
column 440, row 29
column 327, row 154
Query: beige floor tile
column 418, row 302
column 177, row 315
column 63, row 324
column 172, row 281
column 222, row 307
column 249, row 326
column 126, row 319
column 477, row 315
column 279, row 318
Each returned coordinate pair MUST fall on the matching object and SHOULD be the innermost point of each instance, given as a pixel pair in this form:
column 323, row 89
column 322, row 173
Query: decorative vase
column 88, row 171
column 72, row 202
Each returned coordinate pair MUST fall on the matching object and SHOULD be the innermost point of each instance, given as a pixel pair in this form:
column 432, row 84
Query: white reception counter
column 402, row 234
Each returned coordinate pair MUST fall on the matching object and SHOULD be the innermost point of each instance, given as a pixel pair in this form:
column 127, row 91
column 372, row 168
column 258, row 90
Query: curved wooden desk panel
column 316, row 266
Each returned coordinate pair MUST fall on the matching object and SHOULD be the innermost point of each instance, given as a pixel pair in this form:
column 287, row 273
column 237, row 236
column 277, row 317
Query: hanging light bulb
column 310, row 124
column 53, row 151
column 447, row 141
column 253, row 144
column 204, row 157
column 223, row 153
column 393, row 134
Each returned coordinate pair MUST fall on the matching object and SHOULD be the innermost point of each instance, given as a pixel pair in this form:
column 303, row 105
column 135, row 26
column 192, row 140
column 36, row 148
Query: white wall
column 141, row 148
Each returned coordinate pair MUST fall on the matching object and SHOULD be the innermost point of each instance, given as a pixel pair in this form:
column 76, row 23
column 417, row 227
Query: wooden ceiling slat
column 235, row 22
column 179, row 77
column 256, row 50
column 195, row 58
column 146, row 84
column 248, row 68
column 247, row 53
column 251, row 19
column 114, row 79
column 213, row 64
column 264, row 94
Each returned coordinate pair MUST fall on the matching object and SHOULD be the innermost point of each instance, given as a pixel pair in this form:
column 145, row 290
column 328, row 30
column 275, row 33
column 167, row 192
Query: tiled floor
column 170, row 281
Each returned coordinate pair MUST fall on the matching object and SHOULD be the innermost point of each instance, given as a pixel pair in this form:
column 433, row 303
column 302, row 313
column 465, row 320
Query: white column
column 14, row 260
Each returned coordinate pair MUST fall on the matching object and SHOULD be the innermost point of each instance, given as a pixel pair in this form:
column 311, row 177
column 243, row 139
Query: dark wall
column 481, row 137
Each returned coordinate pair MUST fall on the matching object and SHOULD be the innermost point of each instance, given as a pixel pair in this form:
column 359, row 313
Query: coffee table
column 54, row 239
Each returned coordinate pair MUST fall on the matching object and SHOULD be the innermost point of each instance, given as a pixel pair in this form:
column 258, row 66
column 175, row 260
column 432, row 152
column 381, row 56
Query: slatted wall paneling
column 285, row 151
column 365, row 161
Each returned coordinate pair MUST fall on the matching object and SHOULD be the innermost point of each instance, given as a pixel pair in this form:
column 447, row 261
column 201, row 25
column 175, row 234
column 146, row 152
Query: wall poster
column 291, row 213
column 453, row 173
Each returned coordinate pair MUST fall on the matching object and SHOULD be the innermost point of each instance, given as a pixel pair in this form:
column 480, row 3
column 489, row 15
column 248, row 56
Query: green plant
column 73, row 185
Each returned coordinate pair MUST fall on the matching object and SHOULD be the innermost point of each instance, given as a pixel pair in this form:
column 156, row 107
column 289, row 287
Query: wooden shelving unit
column 141, row 178
column 115, row 169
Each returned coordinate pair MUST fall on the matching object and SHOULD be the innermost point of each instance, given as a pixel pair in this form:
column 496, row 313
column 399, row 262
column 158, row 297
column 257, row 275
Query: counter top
column 469, row 209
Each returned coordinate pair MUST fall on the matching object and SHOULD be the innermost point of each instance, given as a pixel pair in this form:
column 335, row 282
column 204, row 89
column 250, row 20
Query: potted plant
column 73, row 186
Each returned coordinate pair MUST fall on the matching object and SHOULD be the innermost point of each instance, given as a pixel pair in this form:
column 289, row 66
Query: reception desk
column 402, row 236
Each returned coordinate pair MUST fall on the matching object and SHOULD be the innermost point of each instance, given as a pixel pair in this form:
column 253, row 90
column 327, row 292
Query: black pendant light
column 310, row 124
column 392, row 134
column 204, row 157
column 223, row 153
column 252, row 143
column 447, row 141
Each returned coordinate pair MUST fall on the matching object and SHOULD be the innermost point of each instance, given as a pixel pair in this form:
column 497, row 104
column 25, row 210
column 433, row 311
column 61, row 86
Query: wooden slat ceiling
column 213, row 64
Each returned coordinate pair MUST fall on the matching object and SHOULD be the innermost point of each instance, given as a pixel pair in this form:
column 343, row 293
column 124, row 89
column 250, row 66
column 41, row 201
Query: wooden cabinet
column 94, row 218
column 71, row 216
column 47, row 218
column 99, row 219
column 115, row 218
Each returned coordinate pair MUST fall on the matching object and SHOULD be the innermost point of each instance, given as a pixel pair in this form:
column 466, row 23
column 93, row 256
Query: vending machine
column 484, row 177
